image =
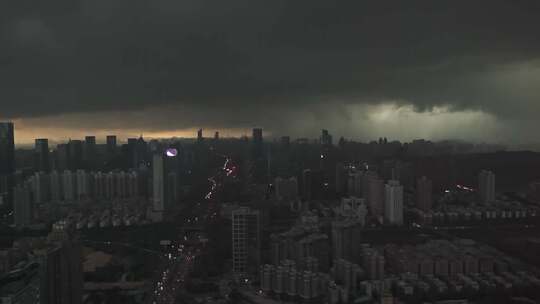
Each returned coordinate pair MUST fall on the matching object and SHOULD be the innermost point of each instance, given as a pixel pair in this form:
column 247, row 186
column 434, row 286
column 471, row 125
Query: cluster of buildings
column 129, row 213
column 70, row 175
column 74, row 188
column 342, row 281
column 322, row 255
column 304, row 244
column 83, row 170
column 435, row 269
column 499, row 211
column 43, row 270
column 459, row 267
column 465, row 205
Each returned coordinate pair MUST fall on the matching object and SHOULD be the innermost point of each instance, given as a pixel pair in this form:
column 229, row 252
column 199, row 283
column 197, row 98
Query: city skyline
column 27, row 140
column 269, row 151
column 429, row 69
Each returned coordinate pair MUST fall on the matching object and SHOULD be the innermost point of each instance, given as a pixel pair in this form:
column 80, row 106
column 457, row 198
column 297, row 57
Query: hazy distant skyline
column 362, row 69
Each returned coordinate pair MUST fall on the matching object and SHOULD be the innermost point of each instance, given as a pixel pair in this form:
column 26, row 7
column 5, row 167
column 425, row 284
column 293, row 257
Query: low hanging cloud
column 290, row 66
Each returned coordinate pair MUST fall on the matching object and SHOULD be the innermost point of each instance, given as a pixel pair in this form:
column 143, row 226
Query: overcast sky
column 362, row 69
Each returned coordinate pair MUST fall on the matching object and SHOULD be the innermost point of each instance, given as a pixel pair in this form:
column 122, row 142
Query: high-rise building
column 111, row 145
column 57, row 193
column 61, row 268
column 132, row 152
column 393, row 207
column 158, row 186
column 346, row 237
column 257, row 143
column 99, row 185
column 313, row 185
column 132, row 184
column 7, row 148
column 375, row 196
column 200, row 135
column 75, row 161
column 62, row 157
column 326, row 138
column 69, row 185
column 365, row 178
column 109, row 189
column 171, row 189
column 486, row 186
column 42, row 155
column 342, row 175
column 90, row 152
column 354, row 183
column 246, row 240
column 82, row 185
column 22, row 206
column 353, row 207
column 42, row 187
column 120, row 183
column 7, row 161
column 373, row 262
column 142, row 155
column 405, row 171
column 136, row 152
column 424, row 194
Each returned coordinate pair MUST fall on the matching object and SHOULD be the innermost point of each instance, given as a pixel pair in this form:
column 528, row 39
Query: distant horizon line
column 273, row 138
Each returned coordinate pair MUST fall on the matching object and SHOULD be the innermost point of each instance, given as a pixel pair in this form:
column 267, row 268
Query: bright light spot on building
column 171, row 152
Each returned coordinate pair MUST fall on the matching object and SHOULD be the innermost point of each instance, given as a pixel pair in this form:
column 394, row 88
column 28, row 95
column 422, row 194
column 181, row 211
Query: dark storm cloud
column 81, row 56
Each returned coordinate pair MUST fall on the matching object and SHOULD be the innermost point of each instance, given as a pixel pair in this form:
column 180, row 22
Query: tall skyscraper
column 132, row 184
column 132, row 152
column 7, row 161
column 136, row 152
column 354, row 183
column 69, row 185
column 98, row 187
column 486, row 186
column 346, row 239
column 57, row 192
column 42, row 187
column 22, row 206
column 365, row 178
column 108, row 186
column 424, row 194
column 326, row 138
column 111, row 145
column 61, row 268
column 257, row 143
column 393, row 207
column 200, row 135
column 375, row 196
column 75, row 155
column 7, row 148
column 158, row 186
column 341, row 179
column 246, row 240
column 313, row 184
column 82, row 185
column 41, row 150
column 90, row 152
column 171, row 188
column 62, row 157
